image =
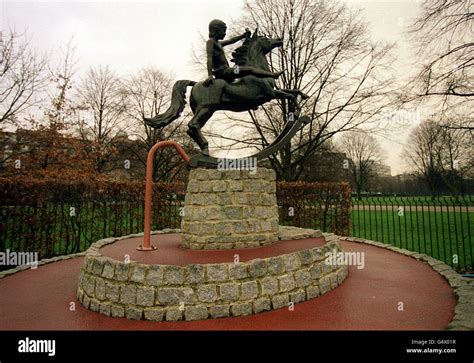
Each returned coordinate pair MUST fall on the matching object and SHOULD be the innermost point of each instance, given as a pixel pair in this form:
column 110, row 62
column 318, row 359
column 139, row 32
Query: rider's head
column 217, row 28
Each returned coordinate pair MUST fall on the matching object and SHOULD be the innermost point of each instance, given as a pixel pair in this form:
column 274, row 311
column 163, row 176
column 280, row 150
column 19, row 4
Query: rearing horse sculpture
column 246, row 93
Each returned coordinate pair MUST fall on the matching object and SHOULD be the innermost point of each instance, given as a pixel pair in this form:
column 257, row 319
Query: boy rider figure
column 217, row 65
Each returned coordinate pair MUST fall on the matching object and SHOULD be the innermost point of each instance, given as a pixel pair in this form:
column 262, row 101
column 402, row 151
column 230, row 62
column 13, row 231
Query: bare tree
column 328, row 164
column 456, row 157
column 423, row 152
column 147, row 91
column 62, row 111
column 23, row 77
column 103, row 103
column 441, row 156
column 363, row 153
column 45, row 149
column 49, row 136
column 147, row 94
column 443, row 36
column 326, row 54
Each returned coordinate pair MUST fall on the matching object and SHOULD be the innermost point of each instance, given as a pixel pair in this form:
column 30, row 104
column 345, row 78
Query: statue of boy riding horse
column 247, row 85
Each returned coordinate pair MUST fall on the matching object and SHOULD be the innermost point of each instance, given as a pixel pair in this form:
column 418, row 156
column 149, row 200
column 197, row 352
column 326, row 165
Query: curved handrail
column 148, row 189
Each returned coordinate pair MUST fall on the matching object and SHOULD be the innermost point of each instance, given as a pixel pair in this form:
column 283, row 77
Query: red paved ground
column 367, row 300
column 170, row 251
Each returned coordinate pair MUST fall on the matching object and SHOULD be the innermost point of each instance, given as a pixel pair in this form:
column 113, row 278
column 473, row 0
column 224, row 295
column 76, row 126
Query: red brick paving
column 367, row 300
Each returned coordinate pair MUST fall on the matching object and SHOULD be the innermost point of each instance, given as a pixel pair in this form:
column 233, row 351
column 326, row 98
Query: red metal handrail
column 148, row 189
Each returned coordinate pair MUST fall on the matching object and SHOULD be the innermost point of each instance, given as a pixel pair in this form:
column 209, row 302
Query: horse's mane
column 240, row 55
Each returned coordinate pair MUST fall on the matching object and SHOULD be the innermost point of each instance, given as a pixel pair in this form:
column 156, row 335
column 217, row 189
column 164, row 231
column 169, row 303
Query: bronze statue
column 247, row 85
column 217, row 64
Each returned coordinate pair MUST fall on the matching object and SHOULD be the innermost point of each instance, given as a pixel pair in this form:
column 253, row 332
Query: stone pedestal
column 230, row 209
column 197, row 291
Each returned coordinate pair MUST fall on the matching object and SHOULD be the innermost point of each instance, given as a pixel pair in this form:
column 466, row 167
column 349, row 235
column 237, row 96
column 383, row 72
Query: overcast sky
column 130, row 35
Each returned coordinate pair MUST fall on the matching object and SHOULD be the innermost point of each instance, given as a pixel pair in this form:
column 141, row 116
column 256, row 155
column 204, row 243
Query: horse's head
column 266, row 44
column 254, row 49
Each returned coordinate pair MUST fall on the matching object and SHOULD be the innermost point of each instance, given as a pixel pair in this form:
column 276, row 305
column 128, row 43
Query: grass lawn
column 441, row 235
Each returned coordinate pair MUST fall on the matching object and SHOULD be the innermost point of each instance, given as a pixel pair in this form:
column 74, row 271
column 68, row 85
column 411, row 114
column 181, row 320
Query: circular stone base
column 208, row 290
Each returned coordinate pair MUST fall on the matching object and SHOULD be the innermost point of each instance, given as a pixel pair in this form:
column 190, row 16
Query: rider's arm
column 235, row 39
column 232, row 40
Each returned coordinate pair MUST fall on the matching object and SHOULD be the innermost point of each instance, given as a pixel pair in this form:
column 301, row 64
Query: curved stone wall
column 201, row 291
column 230, row 209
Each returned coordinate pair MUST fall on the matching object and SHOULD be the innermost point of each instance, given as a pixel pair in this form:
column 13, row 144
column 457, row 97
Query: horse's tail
column 178, row 101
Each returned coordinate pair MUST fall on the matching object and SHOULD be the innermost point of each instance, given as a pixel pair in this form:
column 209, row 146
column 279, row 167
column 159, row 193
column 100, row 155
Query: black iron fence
column 441, row 227
column 324, row 206
column 57, row 217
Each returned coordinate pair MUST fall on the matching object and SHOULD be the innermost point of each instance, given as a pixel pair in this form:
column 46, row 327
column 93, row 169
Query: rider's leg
column 251, row 71
column 197, row 122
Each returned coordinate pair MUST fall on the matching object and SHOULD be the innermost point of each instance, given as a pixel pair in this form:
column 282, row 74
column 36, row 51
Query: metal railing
column 441, row 227
column 68, row 221
column 58, row 219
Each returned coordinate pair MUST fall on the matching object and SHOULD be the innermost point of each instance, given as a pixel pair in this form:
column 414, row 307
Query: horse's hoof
column 304, row 120
column 278, row 74
column 304, row 96
column 205, row 152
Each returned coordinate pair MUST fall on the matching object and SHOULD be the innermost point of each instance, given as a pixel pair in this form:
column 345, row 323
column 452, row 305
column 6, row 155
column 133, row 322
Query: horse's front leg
column 294, row 106
column 297, row 92
column 283, row 94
